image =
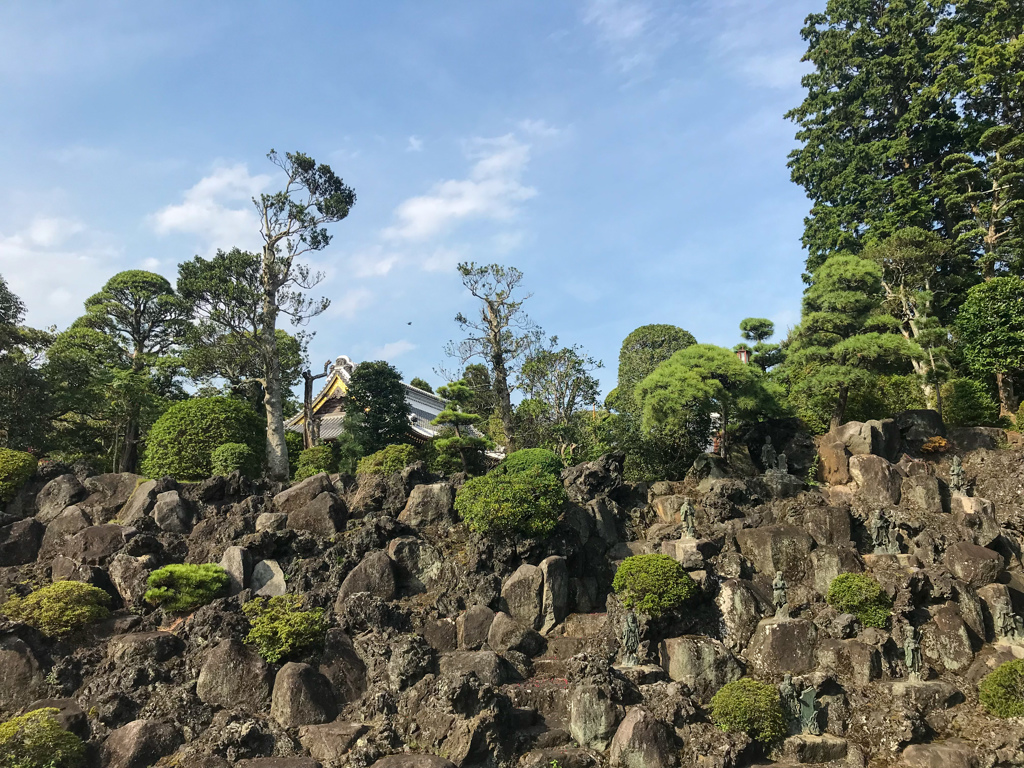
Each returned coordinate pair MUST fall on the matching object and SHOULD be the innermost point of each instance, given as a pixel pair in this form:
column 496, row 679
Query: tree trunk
column 308, row 438
column 1007, row 397
column 504, row 399
column 130, row 456
column 840, row 409
column 277, row 448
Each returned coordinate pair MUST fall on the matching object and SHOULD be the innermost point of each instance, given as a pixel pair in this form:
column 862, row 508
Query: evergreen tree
column 462, row 444
column 376, row 411
column 758, row 330
column 990, row 335
column 24, row 393
column 421, row 384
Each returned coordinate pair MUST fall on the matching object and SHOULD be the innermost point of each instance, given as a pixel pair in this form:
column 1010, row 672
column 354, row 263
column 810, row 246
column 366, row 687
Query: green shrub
column 295, row 445
column 313, row 461
column 387, row 461
column 653, row 584
column 517, row 461
column 527, row 503
column 36, row 740
column 967, row 403
column 182, row 441
column 16, row 467
column 1001, row 691
column 232, row 457
column 750, row 707
column 180, row 587
column 59, row 608
column 280, row 628
column 861, row 595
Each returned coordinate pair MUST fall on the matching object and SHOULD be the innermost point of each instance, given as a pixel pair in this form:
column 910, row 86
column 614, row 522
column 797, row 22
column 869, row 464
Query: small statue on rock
column 957, row 481
column 1006, row 623
column 779, row 596
column 630, row 640
column 883, row 535
column 790, row 704
column 688, row 512
column 912, row 653
column 809, row 711
column 768, row 455
column 783, row 464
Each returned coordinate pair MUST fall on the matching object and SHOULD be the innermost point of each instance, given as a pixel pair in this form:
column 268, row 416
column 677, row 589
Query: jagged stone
column 128, row 575
column 850, row 660
column 975, row 565
column 473, row 626
column 57, row 495
column 271, row 521
column 701, row 663
column 506, row 634
column 829, row 562
column 66, row 524
column 923, row 492
column 302, row 696
column 602, row 513
column 486, row 665
column 556, row 592
column 278, row 762
column 783, row 645
column 522, row 595
column 341, row 664
column 442, row 634
column 324, row 515
column 139, row 744
column 418, row 563
column 237, row 561
column 144, row 646
column 268, row 579
column 171, row 514
column 235, row 676
column 945, row 640
column 828, row 526
column 330, row 742
column 20, row 542
column 108, row 494
column 641, row 741
column 374, row 574
column 741, row 612
column 978, row 517
column 774, row 548
column 950, row 754
column 429, row 505
column 299, row 495
column 806, row 748
column 593, row 716
column 21, row 677
column 96, row 544
column 413, row 760
column 139, row 504
column 877, row 479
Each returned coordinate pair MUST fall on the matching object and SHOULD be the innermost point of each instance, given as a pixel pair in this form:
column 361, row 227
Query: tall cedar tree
column 376, row 411
column 463, row 444
column 990, row 334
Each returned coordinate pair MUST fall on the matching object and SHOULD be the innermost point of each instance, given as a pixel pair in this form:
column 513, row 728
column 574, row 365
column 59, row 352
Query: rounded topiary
column 234, row 457
column 182, row 441
column 653, row 584
column 59, row 608
column 313, row 461
column 16, row 467
column 861, row 595
column 183, row 587
column 517, row 461
column 279, row 626
column 527, row 503
column 387, row 461
column 1001, row 691
column 37, row 740
column 750, row 707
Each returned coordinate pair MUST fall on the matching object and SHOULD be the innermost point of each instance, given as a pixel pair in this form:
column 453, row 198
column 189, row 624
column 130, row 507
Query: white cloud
column 415, row 144
column 633, row 33
column 218, row 209
column 350, row 303
column 541, row 128
column 442, row 260
column 393, row 349
column 618, row 21
column 373, row 262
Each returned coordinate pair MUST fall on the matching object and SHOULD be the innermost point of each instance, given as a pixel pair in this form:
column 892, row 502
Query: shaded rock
column 949, row 754
column 945, row 640
column 835, row 459
column 783, row 645
column 923, row 492
column 329, row 742
column 850, row 660
column 235, row 676
column 442, row 635
column 302, row 493
column 593, row 716
column 271, row 521
column 57, row 495
column 374, row 574
column 96, row 544
column 139, row 503
column 413, row 760
column 171, row 514
column 777, row 548
column 341, row 664
column 268, row 579
column 65, row 525
column 20, row 542
column 641, row 741
column 594, row 478
column 278, row 762
column 917, row 426
column 829, row 562
column 669, row 508
column 428, row 505
column 828, row 526
column 878, row 480
column 21, row 678
column 139, row 744
column 701, row 663
column 108, row 494
column 140, row 647
column 969, row 439
column 602, row 513
column 978, row 517
column 975, row 565
column 302, row 696
column 556, row 592
column 506, row 634
column 877, row 437
column 473, row 626
column 324, row 516
column 522, row 595
column 70, row 715
column 237, row 561
column 418, row 564
column 806, row 748
column 486, row 665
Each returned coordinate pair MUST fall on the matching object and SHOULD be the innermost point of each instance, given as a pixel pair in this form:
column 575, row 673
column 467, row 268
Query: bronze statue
column 768, row 455
column 957, row 481
column 912, row 653
column 779, row 596
column 630, row 640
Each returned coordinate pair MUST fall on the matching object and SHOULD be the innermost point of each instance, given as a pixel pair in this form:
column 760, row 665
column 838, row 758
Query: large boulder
column 945, row 640
column 850, row 660
column 237, row 562
column 978, row 518
column 918, row 426
column 341, row 664
column 21, row 677
column 108, row 494
column 278, row 762
column 65, row 525
column 878, row 481
column 140, row 503
column 642, row 741
column 472, row 627
column 486, row 665
column 923, row 492
column 143, row 647
column 593, row 716
column 324, row 516
column 57, row 495
column 741, row 611
column 139, row 744
column 413, row 760
column 975, row 565
column 507, row 634
column 828, row 526
column 701, row 663
column 302, row 493
column 268, row 579
column 129, row 574
column 20, row 542
column 864, row 438
column 374, row 574
column 171, row 514
column 429, row 505
column 330, row 742
column 522, row 595
column 829, row 562
column 783, row 645
column 774, row 548
column 600, row 477
column 556, row 591
column 302, row 696
column 235, row 676
column 949, row 754
column 96, row 544
column 417, row 563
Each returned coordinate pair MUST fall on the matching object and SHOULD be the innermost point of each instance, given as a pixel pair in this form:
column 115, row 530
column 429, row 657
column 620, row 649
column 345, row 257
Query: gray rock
column 741, row 612
column 418, row 564
column 268, row 579
column 302, row 696
column 278, row 762
column 57, row 495
column 806, row 748
column 70, row 715
column 783, row 645
column 21, row 678
column 128, row 575
column 271, row 521
column 975, row 565
column 442, row 634
column 20, row 542
column 139, row 504
column 506, row 634
column 642, row 741
column 171, row 514
column 324, row 516
column 140, row 647
column 945, row 640
column 139, row 744
column 340, row 663
column 413, row 760
column 850, row 660
column 237, row 561
column 522, row 595
column 829, row 562
column 923, row 492
column 593, row 717
column 428, row 505
column 96, row 544
column 701, row 663
column 235, row 676
column 65, row 525
column 374, row 574
column 302, row 493
column 556, row 592
column 774, row 548
column 330, row 742
column 108, row 494
column 603, row 512
column 486, row 665
column 949, row 754
column 878, row 481
column 473, row 626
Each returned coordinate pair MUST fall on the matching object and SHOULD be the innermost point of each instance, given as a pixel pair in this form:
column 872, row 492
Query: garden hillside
column 855, row 602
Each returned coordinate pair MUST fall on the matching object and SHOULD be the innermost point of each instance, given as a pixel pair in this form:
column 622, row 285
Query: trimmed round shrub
column 37, row 740
column 750, row 707
column 234, row 457
column 524, row 503
column 653, row 584
column 313, row 461
column 182, row 441
column 861, row 595
column 1001, row 691
column 16, row 467
column 183, row 587
column 280, row 627
column 517, row 461
column 387, row 461
column 968, row 403
column 59, row 608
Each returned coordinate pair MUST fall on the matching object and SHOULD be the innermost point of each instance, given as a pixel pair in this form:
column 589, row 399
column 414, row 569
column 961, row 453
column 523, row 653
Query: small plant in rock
column 281, row 628
column 1001, row 691
column 36, row 740
column 16, row 467
column 526, row 503
column 935, row 445
column 313, row 461
column 750, row 707
column 653, row 584
column 235, row 457
column 182, row 587
column 861, row 595
column 59, row 608
column 387, row 461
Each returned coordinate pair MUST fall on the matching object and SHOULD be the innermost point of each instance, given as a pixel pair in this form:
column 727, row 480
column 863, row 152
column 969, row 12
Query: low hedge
column 16, row 467
column 280, row 628
column 653, row 584
column 527, row 458
column 526, row 503
column 387, row 461
column 235, row 457
column 1001, row 691
column 313, row 461
column 37, row 740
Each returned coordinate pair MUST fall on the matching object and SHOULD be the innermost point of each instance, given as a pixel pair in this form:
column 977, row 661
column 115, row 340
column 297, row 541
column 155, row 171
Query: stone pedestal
column 805, row 748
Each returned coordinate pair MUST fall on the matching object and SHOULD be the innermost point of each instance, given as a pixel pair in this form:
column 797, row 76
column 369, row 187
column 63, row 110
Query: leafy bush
column 295, row 446
column 280, row 628
column 1001, row 691
column 182, row 441
column 861, row 595
column 967, row 403
column 517, row 461
column 527, row 503
column 182, row 587
column 313, row 461
column 59, row 608
column 653, row 584
column 16, row 467
column 36, row 740
column 230, row 457
column 387, row 461
column 751, row 707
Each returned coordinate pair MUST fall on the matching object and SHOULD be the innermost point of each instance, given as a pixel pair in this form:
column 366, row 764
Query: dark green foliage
column 990, row 332
column 1001, row 691
column 885, row 396
column 528, row 458
column 295, row 446
column 280, row 628
column 758, row 330
column 642, row 351
column 182, row 441
column 861, row 595
column 421, row 384
column 59, row 608
column 232, row 457
column 26, row 396
column 376, row 412
column 37, row 740
column 461, row 446
column 385, row 462
column 750, row 707
column 313, row 461
column 526, row 503
column 16, row 467
column 968, row 403
column 182, row 587
column 653, row 584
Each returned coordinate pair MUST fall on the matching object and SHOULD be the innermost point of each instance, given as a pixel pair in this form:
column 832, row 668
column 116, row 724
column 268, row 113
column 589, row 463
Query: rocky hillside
column 444, row 647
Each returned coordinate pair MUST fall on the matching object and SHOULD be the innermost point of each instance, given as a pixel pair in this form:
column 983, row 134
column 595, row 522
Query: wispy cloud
column 635, row 33
column 393, row 349
column 415, row 144
column 540, row 128
column 351, row 303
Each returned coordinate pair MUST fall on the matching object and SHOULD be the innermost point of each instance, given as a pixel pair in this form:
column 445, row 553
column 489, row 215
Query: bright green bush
column 182, row 441
column 313, row 461
column 517, row 461
column 750, row 707
column 232, row 457
column 182, row 587
column 861, row 595
column 280, row 627
column 653, row 584
column 1001, row 691
column 967, row 403
column 16, row 467
column 387, row 461
column 522, row 503
column 295, row 445
column 36, row 740
column 59, row 608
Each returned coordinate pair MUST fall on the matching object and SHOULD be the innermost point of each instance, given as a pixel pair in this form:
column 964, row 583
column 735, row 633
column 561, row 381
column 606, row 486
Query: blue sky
column 627, row 155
